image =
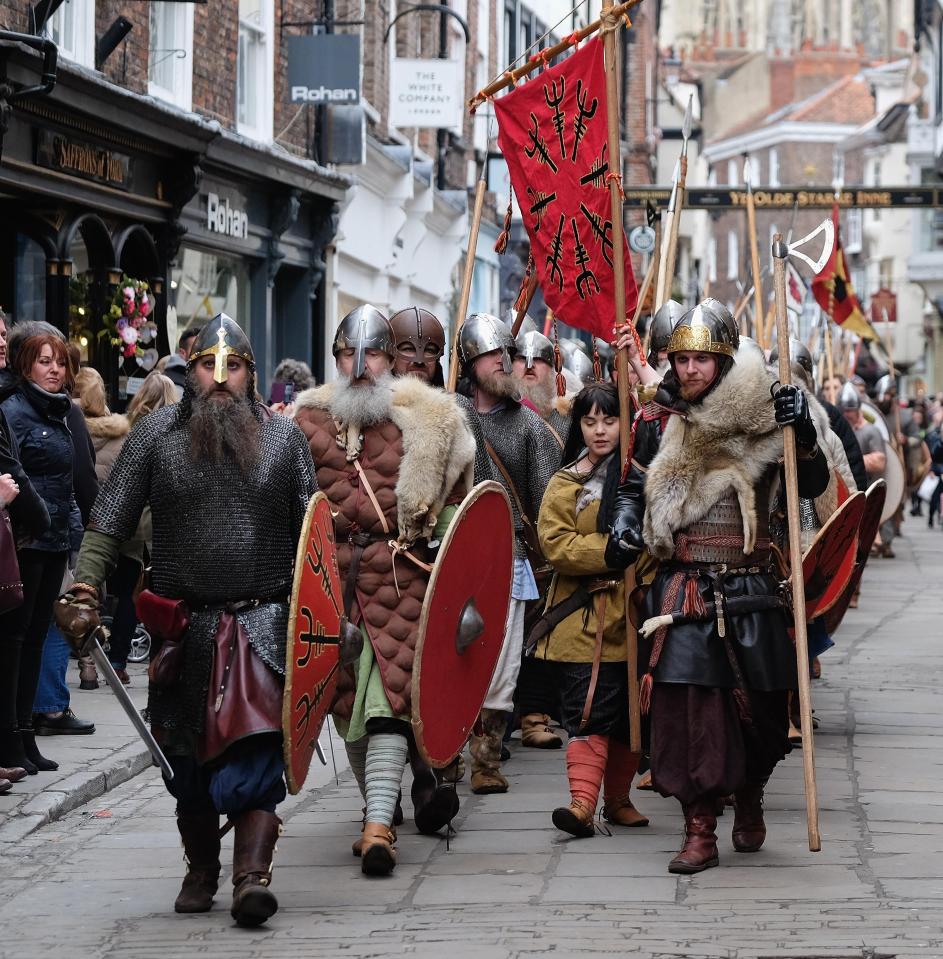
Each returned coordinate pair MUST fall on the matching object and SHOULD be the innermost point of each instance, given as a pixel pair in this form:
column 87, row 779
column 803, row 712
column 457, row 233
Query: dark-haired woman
column 587, row 640
column 36, row 414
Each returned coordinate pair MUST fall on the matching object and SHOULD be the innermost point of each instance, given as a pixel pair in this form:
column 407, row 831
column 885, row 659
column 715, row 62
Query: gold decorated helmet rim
column 697, row 339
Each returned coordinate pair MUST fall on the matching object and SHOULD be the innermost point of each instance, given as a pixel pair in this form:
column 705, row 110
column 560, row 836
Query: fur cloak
column 730, row 440
column 438, row 448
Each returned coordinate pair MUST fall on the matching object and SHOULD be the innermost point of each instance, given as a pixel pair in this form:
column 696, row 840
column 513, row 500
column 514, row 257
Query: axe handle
column 466, row 280
column 795, row 553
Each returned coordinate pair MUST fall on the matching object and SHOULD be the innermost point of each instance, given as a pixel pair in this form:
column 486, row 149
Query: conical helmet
column 221, row 338
column 364, row 328
column 581, row 366
column 484, row 333
column 708, row 328
column 527, row 323
column 848, row 398
column 884, row 386
column 798, row 353
column 534, row 346
column 663, row 322
column 419, row 327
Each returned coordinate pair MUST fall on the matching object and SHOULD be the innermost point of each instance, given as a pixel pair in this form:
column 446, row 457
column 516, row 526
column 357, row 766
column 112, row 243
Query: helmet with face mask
column 221, row 338
column 420, row 328
column 483, row 333
column 534, row 346
column 364, row 328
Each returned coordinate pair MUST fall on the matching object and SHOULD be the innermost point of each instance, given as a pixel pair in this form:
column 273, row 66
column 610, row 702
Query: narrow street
column 101, row 881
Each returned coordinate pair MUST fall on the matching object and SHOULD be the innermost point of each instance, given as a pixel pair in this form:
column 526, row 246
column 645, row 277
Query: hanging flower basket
column 127, row 322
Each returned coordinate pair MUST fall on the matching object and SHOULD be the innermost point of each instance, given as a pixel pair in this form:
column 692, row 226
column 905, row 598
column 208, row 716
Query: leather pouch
column 167, row 621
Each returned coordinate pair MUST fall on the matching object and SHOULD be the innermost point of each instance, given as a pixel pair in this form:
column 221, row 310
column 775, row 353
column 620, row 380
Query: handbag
column 167, row 620
column 11, row 582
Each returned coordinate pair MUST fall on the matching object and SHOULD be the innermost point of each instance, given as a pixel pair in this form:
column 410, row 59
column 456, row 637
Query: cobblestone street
column 101, row 881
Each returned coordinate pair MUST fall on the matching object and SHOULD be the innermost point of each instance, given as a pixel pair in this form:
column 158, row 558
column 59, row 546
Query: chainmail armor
column 483, row 468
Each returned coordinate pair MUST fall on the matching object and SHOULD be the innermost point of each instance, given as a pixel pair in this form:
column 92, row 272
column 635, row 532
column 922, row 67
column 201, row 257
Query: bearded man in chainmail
column 525, row 455
column 535, row 370
column 395, row 457
column 228, row 485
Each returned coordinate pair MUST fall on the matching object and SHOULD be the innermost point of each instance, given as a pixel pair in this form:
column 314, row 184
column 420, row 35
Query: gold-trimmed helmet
column 708, row 328
column 221, row 338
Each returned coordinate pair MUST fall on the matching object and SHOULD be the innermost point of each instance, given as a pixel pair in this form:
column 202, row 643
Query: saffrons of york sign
column 324, row 69
column 785, row 198
column 56, row 151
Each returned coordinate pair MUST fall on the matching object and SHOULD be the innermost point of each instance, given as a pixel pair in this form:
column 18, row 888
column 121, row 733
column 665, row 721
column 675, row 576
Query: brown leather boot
column 257, row 832
column 537, row 733
column 621, row 812
column 88, row 674
column 576, row 819
column 486, row 755
column 699, row 851
column 200, row 835
column 377, row 855
column 14, row 774
column 356, row 847
column 749, row 829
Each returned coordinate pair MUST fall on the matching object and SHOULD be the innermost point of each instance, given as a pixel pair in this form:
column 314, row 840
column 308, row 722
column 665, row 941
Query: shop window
column 29, row 301
column 712, row 260
column 72, row 29
column 204, row 284
column 170, row 57
column 254, row 83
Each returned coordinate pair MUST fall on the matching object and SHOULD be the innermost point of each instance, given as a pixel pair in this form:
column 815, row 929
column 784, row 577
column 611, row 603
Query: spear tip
column 688, row 124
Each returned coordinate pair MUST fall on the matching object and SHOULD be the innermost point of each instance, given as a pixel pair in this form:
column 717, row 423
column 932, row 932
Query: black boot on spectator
column 65, row 723
column 33, row 754
column 12, row 753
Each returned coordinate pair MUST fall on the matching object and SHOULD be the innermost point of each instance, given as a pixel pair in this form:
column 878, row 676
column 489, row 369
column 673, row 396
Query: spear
column 672, row 218
column 758, row 310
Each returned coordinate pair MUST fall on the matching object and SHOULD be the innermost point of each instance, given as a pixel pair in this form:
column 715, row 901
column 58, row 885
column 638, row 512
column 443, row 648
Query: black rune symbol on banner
column 601, row 231
column 585, row 113
column 538, row 145
column 585, row 279
column 556, row 254
column 541, row 202
column 597, row 173
column 555, row 101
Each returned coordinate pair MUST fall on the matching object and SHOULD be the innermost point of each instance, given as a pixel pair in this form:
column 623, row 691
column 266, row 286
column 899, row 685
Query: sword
column 93, row 646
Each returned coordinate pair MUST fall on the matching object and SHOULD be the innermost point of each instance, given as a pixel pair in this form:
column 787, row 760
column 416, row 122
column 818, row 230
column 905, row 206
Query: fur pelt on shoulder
column 438, row 449
column 729, row 440
column 110, row 427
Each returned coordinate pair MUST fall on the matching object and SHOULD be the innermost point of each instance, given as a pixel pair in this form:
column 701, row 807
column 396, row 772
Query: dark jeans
column 121, row 585
column 23, row 634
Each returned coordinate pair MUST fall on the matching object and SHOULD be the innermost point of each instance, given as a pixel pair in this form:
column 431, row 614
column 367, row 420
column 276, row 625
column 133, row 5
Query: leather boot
column 5, row 786
column 536, row 732
column 699, row 851
column 88, row 674
column 377, row 856
column 257, row 832
column 576, row 819
column 14, row 774
column 621, row 812
column 356, row 847
column 434, row 806
column 200, row 835
column 749, row 829
column 454, row 772
column 12, row 753
column 33, row 755
column 486, row 755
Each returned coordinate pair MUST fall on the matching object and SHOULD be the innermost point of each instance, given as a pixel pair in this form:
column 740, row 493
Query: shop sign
column 884, row 306
column 57, row 151
column 223, row 218
column 787, row 198
column 427, row 93
column 324, row 68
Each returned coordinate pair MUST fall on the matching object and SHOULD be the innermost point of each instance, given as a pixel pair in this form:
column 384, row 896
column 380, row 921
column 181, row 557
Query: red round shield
column 867, row 530
column 828, row 563
column 313, row 655
column 461, row 628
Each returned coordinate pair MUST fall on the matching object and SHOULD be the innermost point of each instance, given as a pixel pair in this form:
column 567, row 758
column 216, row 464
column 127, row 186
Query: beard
column 224, row 428
column 500, row 385
column 541, row 395
column 363, row 403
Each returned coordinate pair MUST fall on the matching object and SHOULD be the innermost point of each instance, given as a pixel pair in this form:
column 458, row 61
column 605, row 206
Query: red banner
column 553, row 134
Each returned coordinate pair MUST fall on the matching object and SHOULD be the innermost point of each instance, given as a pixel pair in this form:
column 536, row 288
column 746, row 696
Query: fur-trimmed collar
column 438, row 448
column 110, row 427
column 729, row 440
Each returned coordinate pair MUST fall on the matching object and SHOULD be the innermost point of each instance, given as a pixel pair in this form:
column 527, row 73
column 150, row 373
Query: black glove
column 625, row 534
column 792, row 409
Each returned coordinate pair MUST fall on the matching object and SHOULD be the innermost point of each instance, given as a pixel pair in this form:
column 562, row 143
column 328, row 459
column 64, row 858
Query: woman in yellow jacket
column 583, row 625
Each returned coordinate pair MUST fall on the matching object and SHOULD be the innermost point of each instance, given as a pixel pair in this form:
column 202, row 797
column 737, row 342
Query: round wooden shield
column 870, row 523
column 828, row 563
column 312, row 658
column 461, row 628
column 873, row 416
column 895, row 480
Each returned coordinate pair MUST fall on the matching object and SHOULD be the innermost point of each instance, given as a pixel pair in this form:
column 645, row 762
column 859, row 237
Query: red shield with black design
column 867, row 530
column 828, row 563
column 313, row 654
column 461, row 627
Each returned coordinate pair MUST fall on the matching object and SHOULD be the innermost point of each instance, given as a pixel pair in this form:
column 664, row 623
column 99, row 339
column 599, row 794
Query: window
column 255, row 76
column 773, row 179
column 733, row 255
column 733, row 173
column 170, row 57
column 72, row 29
column 853, row 239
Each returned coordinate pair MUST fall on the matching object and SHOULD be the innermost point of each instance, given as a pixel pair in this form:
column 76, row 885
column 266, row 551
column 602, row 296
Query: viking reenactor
column 227, row 484
column 873, row 453
column 582, row 630
column 721, row 663
column 664, row 321
column 525, row 455
column 534, row 367
column 393, row 455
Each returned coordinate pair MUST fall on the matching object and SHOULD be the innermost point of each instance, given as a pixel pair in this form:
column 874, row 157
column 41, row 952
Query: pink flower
column 145, row 306
column 128, row 292
column 130, row 335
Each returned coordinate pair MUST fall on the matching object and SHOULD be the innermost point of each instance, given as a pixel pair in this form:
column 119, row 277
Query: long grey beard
column 500, row 385
column 363, row 405
column 541, row 395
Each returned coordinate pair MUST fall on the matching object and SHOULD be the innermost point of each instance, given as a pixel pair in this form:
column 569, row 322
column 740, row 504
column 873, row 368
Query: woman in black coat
column 36, row 414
